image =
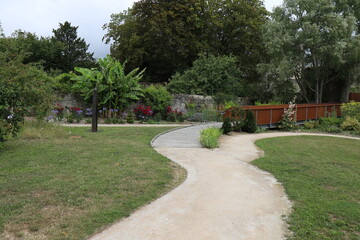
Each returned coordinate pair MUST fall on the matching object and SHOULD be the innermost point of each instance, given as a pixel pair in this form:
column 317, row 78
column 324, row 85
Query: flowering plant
column 57, row 112
column 74, row 113
column 288, row 120
column 174, row 115
column 143, row 112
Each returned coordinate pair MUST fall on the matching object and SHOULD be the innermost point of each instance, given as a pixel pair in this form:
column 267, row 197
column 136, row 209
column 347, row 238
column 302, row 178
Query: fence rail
column 270, row 115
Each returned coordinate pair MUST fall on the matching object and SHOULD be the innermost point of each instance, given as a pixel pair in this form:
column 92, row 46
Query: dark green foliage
column 158, row 98
column 330, row 121
column 130, row 118
column 23, row 87
column 74, row 51
column 315, row 43
column 209, row 75
column 166, row 36
column 237, row 119
column 250, row 122
column 226, row 126
column 115, row 88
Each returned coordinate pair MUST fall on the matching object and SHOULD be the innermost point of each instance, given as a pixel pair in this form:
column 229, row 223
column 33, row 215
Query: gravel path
column 223, row 197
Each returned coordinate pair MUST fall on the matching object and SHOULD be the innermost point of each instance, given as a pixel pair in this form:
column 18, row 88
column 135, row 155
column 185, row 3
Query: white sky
column 41, row 16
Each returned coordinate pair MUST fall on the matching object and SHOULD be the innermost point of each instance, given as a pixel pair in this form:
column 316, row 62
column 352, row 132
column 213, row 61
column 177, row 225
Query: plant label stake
column 94, row 122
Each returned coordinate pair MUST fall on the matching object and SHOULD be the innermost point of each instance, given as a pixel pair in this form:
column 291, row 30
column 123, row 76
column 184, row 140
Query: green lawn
column 321, row 176
column 72, row 187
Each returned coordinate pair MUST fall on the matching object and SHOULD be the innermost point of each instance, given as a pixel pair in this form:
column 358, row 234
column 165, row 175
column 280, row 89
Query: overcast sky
column 41, row 16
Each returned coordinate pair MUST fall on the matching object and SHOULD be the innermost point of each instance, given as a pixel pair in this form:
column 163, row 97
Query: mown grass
column 209, row 137
column 72, row 187
column 321, row 178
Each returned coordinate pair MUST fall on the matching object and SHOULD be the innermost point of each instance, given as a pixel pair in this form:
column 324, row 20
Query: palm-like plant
column 116, row 89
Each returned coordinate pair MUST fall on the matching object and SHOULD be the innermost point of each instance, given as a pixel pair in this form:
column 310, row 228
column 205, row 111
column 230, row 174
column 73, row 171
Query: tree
column 235, row 29
column 23, row 87
column 39, row 50
column 74, row 52
column 209, row 75
column 116, row 89
column 167, row 36
column 1, row 31
column 316, row 43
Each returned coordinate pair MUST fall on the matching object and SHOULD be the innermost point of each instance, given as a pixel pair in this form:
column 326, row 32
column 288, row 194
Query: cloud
column 41, row 16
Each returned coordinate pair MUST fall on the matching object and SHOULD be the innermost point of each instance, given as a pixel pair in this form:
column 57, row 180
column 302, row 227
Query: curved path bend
column 223, row 197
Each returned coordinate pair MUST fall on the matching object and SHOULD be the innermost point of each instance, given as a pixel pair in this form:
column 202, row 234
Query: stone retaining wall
column 179, row 102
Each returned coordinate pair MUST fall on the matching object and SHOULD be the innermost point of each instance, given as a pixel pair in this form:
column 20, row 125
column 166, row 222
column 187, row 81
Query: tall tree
column 314, row 42
column 1, row 31
column 75, row 50
column 38, row 49
column 167, row 36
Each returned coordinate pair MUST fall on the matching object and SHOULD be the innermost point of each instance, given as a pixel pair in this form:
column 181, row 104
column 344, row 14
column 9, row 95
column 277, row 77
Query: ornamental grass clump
column 209, row 137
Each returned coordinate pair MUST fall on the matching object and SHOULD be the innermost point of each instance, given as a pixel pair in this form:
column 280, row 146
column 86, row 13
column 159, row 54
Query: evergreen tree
column 250, row 122
column 226, row 126
column 74, row 52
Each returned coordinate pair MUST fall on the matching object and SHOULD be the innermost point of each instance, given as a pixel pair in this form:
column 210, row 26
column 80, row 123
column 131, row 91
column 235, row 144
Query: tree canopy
column 74, row 51
column 167, row 36
column 315, row 43
column 209, row 75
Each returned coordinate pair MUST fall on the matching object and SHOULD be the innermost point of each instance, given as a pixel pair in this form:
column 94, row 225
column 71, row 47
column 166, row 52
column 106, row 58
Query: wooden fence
column 354, row 97
column 270, row 115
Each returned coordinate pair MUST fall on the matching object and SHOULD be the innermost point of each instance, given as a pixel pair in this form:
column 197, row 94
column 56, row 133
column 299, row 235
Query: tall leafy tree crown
column 75, row 50
column 317, row 43
column 167, row 36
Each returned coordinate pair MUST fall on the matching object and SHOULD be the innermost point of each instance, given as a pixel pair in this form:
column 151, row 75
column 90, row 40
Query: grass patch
column 42, row 130
column 72, row 187
column 321, row 178
column 209, row 137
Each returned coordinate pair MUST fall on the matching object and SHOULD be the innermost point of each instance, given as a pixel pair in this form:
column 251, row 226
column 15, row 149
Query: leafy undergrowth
column 72, row 187
column 321, row 178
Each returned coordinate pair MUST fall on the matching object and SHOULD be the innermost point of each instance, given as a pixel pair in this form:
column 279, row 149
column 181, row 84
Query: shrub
column 226, row 126
column 258, row 103
column 209, row 137
column 351, row 109
column 209, row 75
column 237, row 119
column 222, row 98
column 130, row 119
column 173, row 115
column 157, row 97
column 350, row 124
column 211, row 115
column 332, row 129
column 288, row 121
column 330, row 121
column 311, row 124
column 250, row 122
column 143, row 113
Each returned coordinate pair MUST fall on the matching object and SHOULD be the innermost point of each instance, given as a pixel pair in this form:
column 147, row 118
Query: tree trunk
column 345, row 91
column 94, row 122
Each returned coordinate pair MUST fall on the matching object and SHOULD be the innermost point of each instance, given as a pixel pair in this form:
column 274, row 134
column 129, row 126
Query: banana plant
column 116, row 89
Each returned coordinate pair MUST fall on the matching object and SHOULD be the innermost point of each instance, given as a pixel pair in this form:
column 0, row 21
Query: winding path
column 223, row 197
